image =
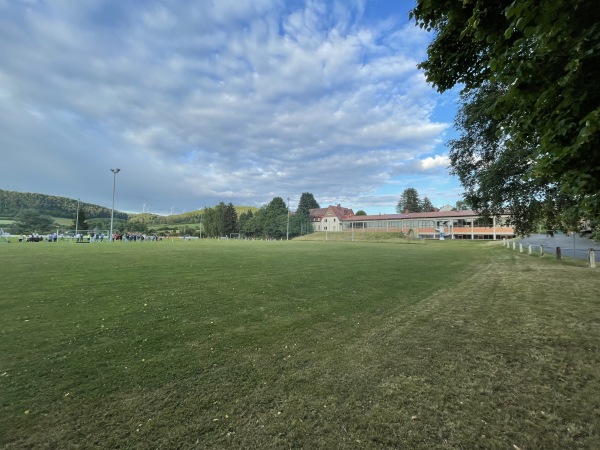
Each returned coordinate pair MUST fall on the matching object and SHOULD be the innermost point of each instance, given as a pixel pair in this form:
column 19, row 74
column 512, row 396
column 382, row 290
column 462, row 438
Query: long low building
column 428, row 225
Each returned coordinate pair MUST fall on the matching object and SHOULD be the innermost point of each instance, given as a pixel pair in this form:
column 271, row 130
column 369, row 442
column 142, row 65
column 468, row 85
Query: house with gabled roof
column 330, row 218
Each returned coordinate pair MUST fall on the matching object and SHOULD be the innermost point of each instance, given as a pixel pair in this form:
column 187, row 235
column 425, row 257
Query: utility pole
column 112, row 211
column 77, row 219
column 287, row 234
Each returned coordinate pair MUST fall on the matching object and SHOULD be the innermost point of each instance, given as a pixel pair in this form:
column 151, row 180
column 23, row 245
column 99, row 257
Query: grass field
column 264, row 345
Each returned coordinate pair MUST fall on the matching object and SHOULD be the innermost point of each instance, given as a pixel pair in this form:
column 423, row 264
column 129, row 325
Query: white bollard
column 520, row 247
column 529, row 250
column 514, row 245
column 592, row 258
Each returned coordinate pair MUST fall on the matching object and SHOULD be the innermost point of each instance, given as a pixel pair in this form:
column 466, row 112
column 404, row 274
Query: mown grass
column 219, row 344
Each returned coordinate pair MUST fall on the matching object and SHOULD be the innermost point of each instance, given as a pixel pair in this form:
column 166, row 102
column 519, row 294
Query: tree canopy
column 530, row 114
column 409, row 201
column 230, row 220
column 80, row 220
column 222, row 220
column 275, row 218
column 306, row 203
column 30, row 221
column 426, row 205
column 246, row 223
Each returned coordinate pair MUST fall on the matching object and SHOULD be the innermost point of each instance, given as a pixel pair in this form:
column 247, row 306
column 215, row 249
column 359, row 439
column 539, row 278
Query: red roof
column 339, row 211
column 347, row 214
column 414, row 215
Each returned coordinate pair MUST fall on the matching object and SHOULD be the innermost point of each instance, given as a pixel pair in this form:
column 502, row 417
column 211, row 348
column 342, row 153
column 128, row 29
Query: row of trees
column 272, row 220
column 32, row 221
column 410, row 201
column 529, row 121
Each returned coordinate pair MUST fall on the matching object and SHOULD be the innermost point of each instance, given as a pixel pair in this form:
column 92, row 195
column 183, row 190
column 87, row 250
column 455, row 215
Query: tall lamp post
column 287, row 234
column 77, row 220
column 200, row 231
column 112, row 212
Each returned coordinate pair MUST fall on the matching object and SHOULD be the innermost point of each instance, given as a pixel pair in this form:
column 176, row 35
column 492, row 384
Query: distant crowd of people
column 137, row 237
column 89, row 236
column 34, row 237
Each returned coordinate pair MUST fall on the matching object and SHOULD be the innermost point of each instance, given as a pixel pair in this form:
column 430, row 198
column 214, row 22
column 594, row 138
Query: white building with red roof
column 464, row 224
column 330, row 218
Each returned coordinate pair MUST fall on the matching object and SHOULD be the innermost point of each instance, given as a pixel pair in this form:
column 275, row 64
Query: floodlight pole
column 77, row 219
column 287, row 234
column 112, row 211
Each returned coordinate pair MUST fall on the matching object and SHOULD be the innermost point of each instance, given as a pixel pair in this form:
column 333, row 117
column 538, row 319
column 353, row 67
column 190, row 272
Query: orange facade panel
column 482, row 230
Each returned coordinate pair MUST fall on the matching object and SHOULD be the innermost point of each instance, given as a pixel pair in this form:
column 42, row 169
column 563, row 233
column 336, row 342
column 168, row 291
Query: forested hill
column 12, row 202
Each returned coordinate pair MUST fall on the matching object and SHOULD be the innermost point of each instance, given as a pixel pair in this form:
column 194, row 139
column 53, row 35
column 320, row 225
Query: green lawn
column 326, row 345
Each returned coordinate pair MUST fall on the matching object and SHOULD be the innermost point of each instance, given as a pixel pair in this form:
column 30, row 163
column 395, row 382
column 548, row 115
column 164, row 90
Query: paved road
column 570, row 246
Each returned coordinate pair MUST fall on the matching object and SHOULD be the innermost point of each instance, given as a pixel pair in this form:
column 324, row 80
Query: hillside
column 189, row 217
column 12, row 202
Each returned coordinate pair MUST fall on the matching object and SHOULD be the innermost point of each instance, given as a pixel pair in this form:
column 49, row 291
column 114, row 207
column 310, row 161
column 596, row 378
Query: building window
column 483, row 222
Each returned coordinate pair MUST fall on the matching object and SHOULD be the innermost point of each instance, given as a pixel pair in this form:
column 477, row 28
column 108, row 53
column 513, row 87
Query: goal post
column 4, row 236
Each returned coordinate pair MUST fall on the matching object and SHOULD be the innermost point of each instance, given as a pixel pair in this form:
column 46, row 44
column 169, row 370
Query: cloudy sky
column 204, row 101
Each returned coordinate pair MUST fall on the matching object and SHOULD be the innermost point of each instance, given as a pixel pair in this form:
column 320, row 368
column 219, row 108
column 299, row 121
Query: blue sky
column 238, row 101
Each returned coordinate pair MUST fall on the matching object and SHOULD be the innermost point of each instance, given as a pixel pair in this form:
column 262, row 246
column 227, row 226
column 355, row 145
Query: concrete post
column 520, row 247
column 558, row 254
column 541, row 250
column 514, row 245
column 529, row 249
column 592, row 258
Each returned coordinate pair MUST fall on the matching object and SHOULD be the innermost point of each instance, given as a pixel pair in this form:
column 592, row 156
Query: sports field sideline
column 216, row 344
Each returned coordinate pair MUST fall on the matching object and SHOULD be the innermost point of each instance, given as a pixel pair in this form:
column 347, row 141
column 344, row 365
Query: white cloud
column 438, row 161
column 206, row 102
